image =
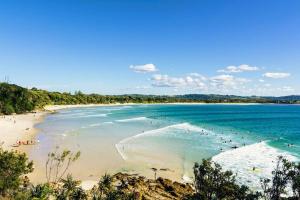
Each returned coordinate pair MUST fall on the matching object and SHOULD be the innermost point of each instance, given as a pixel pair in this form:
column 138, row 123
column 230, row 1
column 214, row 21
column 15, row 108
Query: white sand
column 18, row 127
column 59, row 107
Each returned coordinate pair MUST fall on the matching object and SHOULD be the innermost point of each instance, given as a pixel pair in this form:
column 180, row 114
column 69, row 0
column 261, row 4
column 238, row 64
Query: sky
column 240, row 47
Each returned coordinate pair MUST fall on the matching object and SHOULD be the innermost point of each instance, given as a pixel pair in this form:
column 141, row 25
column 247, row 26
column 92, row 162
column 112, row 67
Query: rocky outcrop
column 163, row 189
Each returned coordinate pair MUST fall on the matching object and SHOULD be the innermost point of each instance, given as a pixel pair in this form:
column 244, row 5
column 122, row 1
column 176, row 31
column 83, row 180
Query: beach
column 19, row 128
column 133, row 138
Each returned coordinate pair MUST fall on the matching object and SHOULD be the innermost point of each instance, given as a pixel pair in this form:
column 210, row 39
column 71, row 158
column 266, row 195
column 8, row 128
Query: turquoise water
column 134, row 138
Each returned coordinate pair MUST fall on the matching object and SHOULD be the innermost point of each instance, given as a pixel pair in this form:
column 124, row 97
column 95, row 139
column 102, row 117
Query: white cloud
column 237, row 69
column 222, row 78
column 267, row 85
column 222, row 83
column 269, row 90
column 143, row 87
column 144, row 68
column 226, row 81
column 177, row 82
column 287, row 89
column 197, row 75
column 167, row 81
column 276, row 75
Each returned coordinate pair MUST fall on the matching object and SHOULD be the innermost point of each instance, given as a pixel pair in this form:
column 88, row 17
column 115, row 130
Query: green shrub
column 12, row 167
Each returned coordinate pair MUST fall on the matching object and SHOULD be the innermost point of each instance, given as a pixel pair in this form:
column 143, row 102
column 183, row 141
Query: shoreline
column 53, row 108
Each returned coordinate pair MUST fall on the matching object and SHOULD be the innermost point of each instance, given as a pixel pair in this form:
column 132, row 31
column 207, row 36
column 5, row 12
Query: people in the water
column 290, row 145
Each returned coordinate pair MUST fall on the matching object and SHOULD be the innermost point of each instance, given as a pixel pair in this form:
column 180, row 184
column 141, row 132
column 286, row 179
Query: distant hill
column 16, row 99
column 286, row 98
column 216, row 97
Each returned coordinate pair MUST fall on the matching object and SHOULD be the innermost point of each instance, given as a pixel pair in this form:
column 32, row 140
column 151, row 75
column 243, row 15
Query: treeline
column 16, row 99
column 215, row 98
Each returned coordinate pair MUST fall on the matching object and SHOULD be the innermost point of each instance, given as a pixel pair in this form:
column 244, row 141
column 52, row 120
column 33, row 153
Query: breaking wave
column 251, row 163
column 132, row 119
column 182, row 126
column 100, row 124
column 97, row 115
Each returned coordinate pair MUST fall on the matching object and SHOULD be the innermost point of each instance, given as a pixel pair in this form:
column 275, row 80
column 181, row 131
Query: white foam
column 107, row 122
column 132, row 119
column 242, row 160
column 121, row 152
column 187, row 179
column 99, row 124
column 83, row 115
column 97, row 115
column 183, row 126
column 117, row 108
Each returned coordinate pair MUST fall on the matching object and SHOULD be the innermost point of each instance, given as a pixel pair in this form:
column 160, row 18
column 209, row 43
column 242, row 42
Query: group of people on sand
column 27, row 142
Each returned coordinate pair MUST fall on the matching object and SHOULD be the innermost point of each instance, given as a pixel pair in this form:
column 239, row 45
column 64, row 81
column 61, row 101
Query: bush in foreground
column 211, row 182
column 12, row 167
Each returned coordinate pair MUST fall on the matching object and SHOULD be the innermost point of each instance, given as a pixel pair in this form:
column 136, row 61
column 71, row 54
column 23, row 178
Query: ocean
column 172, row 137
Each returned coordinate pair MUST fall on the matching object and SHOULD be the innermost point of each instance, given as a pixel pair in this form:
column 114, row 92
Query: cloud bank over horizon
column 226, row 82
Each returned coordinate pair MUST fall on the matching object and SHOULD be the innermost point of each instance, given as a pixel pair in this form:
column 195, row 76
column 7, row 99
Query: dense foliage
column 12, row 167
column 211, row 183
column 286, row 174
column 15, row 99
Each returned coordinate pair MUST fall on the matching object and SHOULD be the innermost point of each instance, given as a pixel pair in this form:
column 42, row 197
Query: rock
column 150, row 189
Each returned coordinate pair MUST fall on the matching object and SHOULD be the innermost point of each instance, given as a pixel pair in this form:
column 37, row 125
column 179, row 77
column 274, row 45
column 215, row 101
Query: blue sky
column 248, row 47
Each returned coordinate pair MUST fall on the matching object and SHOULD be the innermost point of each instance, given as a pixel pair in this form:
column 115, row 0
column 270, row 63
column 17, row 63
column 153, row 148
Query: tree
column 8, row 109
column 296, row 180
column 211, row 182
column 41, row 192
column 57, row 164
column 282, row 174
column 12, row 167
column 105, row 184
column 70, row 189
